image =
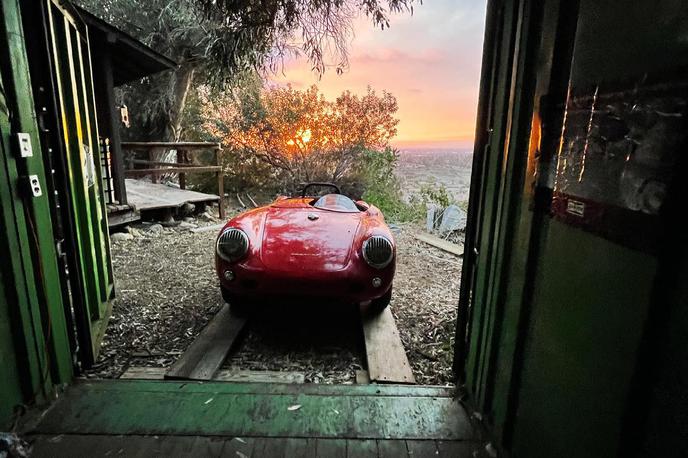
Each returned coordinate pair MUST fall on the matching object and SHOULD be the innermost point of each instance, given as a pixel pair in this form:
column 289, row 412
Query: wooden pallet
column 210, row 349
column 387, row 360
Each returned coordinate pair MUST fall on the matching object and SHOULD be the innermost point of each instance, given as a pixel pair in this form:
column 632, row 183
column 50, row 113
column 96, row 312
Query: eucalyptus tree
column 217, row 41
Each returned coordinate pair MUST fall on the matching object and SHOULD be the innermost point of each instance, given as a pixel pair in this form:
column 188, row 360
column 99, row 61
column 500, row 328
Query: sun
column 302, row 136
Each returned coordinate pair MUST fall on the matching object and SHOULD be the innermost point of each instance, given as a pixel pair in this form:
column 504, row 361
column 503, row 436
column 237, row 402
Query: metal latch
column 25, row 149
column 35, row 185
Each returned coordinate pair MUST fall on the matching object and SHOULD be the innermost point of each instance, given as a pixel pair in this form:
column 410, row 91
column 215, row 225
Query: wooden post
column 109, row 123
column 151, row 157
column 181, row 159
column 220, row 183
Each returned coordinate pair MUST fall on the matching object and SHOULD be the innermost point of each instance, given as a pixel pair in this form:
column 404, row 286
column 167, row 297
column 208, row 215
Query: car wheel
column 381, row 303
column 239, row 306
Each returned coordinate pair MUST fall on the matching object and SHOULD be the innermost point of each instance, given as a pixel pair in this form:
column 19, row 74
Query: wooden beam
column 171, row 145
column 442, row 244
column 387, row 360
column 222, row 375
column 162, row 171
column 207, row 353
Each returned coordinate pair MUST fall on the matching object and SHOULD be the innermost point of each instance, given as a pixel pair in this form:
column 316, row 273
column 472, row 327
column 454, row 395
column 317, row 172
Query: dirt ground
column 167, row 292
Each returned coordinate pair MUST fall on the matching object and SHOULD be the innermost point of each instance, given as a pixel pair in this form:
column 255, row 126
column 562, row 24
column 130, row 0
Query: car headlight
column 232, row 244
column 378, row 251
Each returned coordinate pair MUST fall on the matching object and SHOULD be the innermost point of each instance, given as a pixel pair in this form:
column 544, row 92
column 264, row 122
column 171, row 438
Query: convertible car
column 307, row 248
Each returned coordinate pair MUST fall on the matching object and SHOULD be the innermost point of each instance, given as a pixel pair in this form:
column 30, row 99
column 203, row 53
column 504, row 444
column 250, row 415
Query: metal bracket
column 25, row 148
column 35, row 185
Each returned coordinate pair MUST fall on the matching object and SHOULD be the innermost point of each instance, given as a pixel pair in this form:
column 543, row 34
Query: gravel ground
column 167, row 292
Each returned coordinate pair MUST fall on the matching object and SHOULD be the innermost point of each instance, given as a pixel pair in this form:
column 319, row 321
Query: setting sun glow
column 430, row 61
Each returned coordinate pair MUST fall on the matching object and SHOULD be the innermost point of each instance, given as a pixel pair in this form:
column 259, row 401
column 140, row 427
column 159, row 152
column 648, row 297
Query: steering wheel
column 319, row 184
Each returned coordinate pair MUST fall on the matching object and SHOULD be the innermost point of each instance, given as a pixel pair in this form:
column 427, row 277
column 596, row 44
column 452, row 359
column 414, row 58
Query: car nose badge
column 312, row 216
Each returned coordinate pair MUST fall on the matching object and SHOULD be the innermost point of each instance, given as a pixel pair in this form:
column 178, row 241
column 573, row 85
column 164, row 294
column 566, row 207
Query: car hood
column 308, row 239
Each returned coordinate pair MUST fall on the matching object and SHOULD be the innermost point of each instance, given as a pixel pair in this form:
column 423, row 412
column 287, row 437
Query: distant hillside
column 448, row 166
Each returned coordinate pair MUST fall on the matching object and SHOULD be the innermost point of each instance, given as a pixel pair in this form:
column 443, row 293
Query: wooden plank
column 222, row 375
column 273, row 447
column 213, row 228
column 171, row 145
column 208, row 446
column 171, row 169
column 150, row 196
column 236, row 375
column 308, row 389
column 207, row 353
column 122, row 217
column 422, row 448
column 238, row 409
column 392, row 448
column 361, row 448
column 238, row 447
column 461, row 449
column 300, row 448
column 330, row 448
column 442, row 244
column 144, row 373
column 362, row 377
column 387, row 360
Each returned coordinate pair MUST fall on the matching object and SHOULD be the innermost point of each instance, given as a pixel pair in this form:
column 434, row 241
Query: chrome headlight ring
column 378, row 251
column 232, row 244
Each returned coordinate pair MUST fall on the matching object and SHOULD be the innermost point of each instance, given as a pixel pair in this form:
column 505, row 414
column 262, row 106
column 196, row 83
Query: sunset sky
column 430, row 61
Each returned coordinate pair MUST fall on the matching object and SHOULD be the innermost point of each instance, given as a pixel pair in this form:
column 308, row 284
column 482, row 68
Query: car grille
column 378, row 251
column 232, row 244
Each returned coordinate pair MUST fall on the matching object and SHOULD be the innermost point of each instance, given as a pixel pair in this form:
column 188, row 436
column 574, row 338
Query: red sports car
column 307, row 247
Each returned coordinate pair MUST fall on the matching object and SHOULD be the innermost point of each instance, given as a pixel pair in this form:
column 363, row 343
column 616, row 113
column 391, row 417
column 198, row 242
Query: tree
column 299, row 132
column 215, row 42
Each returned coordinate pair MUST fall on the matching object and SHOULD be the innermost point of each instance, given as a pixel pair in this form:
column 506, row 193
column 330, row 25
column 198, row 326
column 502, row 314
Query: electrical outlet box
column 35, row 186
column 25, row 149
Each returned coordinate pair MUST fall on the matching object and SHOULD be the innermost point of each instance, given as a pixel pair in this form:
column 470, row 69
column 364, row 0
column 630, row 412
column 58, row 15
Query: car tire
column 238, row 306
column 381, row 303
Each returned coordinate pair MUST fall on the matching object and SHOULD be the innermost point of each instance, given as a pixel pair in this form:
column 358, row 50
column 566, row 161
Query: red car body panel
column 292, row 255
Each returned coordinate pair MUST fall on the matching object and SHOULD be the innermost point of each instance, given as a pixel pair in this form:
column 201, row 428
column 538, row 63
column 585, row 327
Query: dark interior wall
column 601, row 231
column 575, row 271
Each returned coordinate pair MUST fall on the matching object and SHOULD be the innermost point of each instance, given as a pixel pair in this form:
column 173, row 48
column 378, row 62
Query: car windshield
column 336, row 202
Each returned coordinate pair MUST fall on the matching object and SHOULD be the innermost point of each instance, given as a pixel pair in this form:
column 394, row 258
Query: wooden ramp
column 387, row 360
column 207, row 353
column 145, row 195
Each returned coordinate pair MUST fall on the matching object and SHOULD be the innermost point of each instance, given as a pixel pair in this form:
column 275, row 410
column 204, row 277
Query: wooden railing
column 183, row 165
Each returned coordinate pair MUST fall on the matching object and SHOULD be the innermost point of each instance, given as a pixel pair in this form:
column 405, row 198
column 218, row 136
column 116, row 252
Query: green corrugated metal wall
column 33, row 342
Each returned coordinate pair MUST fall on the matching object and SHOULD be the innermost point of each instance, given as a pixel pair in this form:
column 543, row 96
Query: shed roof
column 131, row 59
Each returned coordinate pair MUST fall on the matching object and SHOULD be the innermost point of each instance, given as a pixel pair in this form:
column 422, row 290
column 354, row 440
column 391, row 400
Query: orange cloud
column 430, row 61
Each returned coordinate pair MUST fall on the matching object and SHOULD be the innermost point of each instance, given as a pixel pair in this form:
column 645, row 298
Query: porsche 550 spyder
column 307, row 248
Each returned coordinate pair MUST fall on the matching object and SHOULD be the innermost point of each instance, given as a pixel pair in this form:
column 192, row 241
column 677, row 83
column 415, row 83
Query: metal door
column 71, row 66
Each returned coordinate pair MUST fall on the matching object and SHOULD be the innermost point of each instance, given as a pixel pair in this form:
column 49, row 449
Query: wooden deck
column 170, row 418
column 144, row 195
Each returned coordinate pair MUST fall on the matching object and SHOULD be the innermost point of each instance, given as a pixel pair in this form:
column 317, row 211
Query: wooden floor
column 171, row 418
column 145, row 195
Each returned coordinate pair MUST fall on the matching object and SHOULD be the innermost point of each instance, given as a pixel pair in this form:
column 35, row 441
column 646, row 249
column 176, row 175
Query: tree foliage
column 300, row 134
column 216, row 42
